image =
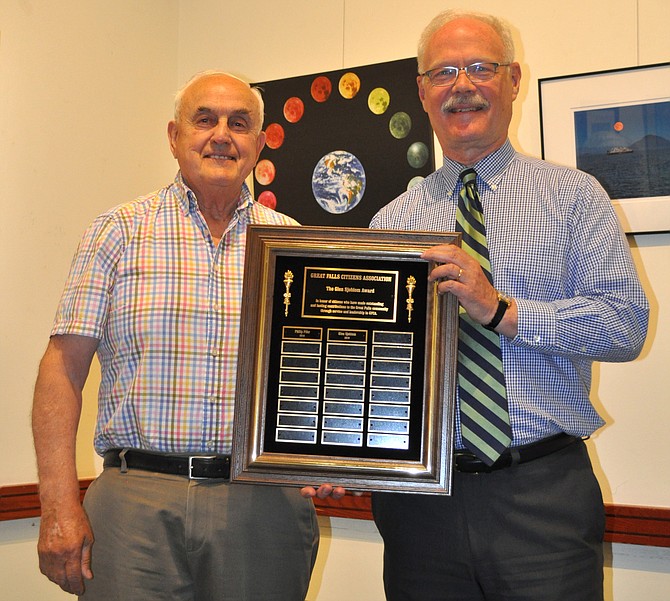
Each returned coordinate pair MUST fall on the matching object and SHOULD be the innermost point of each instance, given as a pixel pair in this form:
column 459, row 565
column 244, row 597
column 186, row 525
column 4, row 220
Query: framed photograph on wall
column 615, row 125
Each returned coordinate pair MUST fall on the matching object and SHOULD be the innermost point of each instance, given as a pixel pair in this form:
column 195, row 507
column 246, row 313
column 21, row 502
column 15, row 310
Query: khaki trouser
column 164, row 537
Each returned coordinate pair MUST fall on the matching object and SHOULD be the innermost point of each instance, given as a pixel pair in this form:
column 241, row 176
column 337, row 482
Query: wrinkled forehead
column 221, row 95
column 464, row 41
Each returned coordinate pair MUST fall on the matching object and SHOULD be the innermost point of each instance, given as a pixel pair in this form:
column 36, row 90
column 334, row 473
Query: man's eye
column 482, row 69
column 239, row 125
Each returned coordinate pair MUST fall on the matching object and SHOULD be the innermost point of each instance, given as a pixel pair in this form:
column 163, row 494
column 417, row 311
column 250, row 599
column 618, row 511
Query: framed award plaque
column 347, row 361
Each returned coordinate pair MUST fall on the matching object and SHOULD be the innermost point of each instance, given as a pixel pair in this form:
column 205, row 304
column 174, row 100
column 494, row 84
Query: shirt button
column 209, row 444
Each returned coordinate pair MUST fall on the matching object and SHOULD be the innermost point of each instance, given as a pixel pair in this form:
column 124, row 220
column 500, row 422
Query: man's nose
column 463, row 81
column 222, row 132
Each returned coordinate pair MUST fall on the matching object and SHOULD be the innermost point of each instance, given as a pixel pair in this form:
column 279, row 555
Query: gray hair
column 500, row 26
column 179, row 96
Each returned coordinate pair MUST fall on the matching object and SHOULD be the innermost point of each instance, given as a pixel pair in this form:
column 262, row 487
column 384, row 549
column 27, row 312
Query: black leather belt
column 466, row 462
column 194, row 467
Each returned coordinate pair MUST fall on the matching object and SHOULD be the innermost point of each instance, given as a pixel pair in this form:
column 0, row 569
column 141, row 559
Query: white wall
column 85, row 95
column 86, row 92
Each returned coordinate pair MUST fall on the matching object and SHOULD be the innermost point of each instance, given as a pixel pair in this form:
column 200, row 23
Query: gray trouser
column 167, row 538
column 531, row 532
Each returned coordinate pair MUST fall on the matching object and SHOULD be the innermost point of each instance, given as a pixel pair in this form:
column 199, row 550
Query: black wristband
column 503, row 305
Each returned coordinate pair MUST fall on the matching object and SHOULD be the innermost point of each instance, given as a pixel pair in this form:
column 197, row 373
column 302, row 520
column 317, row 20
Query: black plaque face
column 347, row 361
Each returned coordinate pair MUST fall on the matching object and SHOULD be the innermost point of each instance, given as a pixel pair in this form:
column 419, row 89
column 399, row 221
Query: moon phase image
column 268, row 199
column 265, row 172
column 349, row 85
column 416, row 180
column 379, row 100
column 418, row 155
column 338, row 181
column 321, row 88
column 294, row 109
column 400, row 125
column 274, row 135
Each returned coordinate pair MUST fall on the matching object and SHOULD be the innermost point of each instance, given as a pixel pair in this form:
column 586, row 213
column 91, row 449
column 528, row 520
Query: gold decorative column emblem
column 411, row 284
column 288, row 280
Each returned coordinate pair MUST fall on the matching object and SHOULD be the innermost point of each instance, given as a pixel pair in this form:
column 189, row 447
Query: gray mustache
column 457, row 102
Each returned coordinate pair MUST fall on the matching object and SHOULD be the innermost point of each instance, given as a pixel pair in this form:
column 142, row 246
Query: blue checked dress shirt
column 556, row 246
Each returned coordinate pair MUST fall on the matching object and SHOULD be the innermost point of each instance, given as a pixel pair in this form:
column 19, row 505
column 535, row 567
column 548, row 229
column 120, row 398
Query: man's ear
column 260, row 143
column 172, row 137
column 422, row 90
column 515, row 73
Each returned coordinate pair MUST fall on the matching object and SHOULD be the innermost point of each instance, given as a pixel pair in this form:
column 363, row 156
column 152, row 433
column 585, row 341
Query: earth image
column 338, row 181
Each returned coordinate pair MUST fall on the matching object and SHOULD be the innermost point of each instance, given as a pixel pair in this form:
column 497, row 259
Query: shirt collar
column 489, row 170
column 188, row 201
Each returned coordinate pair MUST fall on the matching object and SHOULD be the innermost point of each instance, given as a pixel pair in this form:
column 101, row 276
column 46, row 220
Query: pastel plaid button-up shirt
column 164, row 301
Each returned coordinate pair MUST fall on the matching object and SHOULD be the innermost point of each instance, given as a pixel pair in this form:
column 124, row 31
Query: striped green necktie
column 483, row 399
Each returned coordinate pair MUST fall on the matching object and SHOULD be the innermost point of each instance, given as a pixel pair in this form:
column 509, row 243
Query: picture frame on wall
column 615, row 125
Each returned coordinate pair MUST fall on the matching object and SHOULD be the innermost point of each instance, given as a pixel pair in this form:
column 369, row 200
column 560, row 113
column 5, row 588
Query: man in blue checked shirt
column 565, row 293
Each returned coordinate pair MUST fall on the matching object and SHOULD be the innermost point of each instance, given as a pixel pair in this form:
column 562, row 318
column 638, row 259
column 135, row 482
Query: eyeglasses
column 476, row 73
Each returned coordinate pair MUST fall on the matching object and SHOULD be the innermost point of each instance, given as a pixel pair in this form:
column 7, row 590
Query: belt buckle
column 190, row 466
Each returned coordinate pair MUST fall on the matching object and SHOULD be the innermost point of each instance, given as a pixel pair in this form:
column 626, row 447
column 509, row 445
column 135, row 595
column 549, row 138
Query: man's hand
column 325, row 490
column 461, row 275
column 64, row 549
